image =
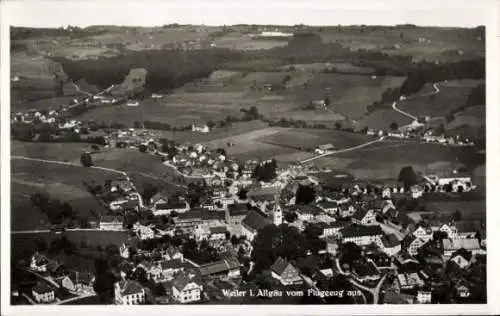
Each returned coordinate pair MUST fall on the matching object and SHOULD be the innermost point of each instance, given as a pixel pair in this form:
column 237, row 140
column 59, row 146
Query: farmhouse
column 470, row 244
column 179, row 206
column 252, row 223
column 407, row 281
column 187, row 287
column 43, row 293
column 322, row 149
column 364, row 217
column 362, row 235
column 200, row 129
column 391, row 244
column 332, row 229
column 328, row 207
column 411, row 244
column 365, row 270
column 285, row 272
column 461, row 258
column 226, row 268
column 109, row 222
column 423, row 232
column 129, row 292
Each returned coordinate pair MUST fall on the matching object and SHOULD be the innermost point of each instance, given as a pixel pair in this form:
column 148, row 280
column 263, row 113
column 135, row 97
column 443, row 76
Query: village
column 355, row 231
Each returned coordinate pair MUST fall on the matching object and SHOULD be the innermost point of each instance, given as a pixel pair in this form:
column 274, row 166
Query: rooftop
column 129, row 287
column 255, row 221
column 360, row 230
column 280, row 265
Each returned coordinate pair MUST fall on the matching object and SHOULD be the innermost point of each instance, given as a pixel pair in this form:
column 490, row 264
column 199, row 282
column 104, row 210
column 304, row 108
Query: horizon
column 425, row 13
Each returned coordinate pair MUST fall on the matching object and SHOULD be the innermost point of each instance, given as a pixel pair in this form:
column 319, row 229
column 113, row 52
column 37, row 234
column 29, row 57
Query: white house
column 469, row 244
column 187, row 288
column 364, row 217
column 424, row 297
column 129, row 292
column 200, row 129
column 285, row 272
column 143, row 232
column 390, row 245
column 422, row 232
column 461, row 258
column 43, row 293
column 362, row 235
column 112, row 223
column 412, row 244
column 180, row 206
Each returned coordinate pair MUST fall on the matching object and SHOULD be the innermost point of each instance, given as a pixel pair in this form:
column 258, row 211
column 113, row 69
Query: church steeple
column 277, row 212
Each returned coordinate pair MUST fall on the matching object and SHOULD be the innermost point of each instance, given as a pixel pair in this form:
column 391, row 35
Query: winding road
column 344, row 150
column 395, row 108
column 374, row 291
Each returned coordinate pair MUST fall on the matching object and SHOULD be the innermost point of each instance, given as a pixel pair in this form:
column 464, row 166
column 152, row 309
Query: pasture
column 421, row 42
column 385, row 160
column 382, row 119
column 238, row 41
column 59, row 181
column 472, row 117
column 440, row 104
column 471, row 210
column 349, row 94
column 67, row 152
column 310, row 138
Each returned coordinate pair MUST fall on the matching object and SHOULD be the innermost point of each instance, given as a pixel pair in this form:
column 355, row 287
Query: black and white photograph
column 223, row 154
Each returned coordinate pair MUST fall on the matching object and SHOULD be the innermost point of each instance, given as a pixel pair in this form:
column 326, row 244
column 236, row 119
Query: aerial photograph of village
column 247, row 164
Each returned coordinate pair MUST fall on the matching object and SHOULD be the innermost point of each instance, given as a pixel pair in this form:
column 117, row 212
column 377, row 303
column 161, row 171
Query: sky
column 56, row 13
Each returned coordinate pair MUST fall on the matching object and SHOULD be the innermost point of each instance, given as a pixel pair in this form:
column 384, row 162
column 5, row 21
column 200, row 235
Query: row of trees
column 56, row 211
column 265, row 171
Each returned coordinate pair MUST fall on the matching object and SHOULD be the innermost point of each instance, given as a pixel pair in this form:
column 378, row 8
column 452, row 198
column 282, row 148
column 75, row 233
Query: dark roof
column 255, row 221
column 191, row 214
column 364, row 268
column 213, row 215
column 280, row 265
column 361, row 230
column 335, row 225
column 53, row 265
column 360, row 213
column 407, row 240
column 327, row 204
column 219, row 266
column 218, row 230
column 238, row 209
column 182, row 279
column 42, row 287
column 390, row 241
column 467, row 255
column 308, row 209
column 129, row 287
column 172, row 264
column 80, row 278
column 111, row 218
column 171, row 205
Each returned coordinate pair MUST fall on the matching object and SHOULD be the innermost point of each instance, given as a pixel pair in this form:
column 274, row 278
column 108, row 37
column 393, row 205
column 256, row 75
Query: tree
column 210, row 124
column 439, row 235
column 349, row 252
column 457, row 216
column 305, row 194
column 290, row 217
column 242, row 194
column 86, row 160
column 407, row 176
column 143, row 148
column 394, row 126
column 94, row 147
column 311, row 234
column 338, row 126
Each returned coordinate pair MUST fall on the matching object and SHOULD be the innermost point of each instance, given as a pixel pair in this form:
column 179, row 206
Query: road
column 395, row 108
column 73, row 299
column 344, row 150
column 374, row 291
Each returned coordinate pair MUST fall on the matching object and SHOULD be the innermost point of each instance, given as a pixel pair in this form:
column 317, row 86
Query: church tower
column 277, row 212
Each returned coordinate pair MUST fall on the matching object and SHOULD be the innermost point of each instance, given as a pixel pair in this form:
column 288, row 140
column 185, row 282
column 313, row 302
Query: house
column 381, row 260
column 390, row 244
column 424, row 297
column 187, row 287
column 38, row 262
column 423, row 232
column 307, row 213
column 77, row 282
column 362, row 235
column 109, row 222
column 461, row 258
column 172, row 253
column 322, row 149
column 200, row 129
column 328, row 207
column 347, row 210
column 449, row 229
column 218, row 233
column 227, row 268
column 407, row 281
column 365, row 270
column 332, row 229
column 235, row 214
column 252, row 223
column 129, row 292
column 364, row 217
column 178, row 206
column 43, row 293
column 470, row 244
column 332, row 246
column 285, row 272
column 411, row 244
column 143, row 232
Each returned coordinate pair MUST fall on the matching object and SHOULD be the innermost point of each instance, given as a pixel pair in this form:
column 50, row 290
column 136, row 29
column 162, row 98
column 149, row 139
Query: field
column 471, row 210
column 349, row 94
column 244, row 42
column 385, row 160
column 447, row 100
column 23, row 246
column 434, row 43
column 69, row 152
column 60, row 181
column 472, row 117
column 308, row 138
column 382, row 118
